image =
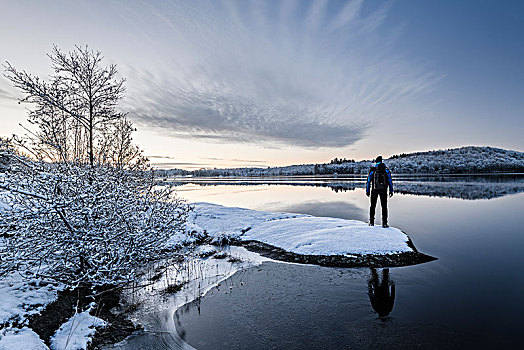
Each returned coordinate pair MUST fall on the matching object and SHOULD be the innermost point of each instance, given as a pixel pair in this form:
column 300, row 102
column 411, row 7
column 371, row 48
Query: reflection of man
column 380, row 295
column 379, row 180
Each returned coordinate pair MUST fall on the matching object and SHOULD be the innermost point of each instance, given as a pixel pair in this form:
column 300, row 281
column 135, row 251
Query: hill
column 463, row 160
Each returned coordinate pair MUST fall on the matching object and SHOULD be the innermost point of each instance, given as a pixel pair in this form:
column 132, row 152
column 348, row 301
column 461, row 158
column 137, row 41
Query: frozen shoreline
column 296, row 233
column 280, row 236
column 208, row 268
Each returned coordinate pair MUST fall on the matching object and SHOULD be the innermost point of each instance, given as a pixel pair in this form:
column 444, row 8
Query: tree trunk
column 91, row 155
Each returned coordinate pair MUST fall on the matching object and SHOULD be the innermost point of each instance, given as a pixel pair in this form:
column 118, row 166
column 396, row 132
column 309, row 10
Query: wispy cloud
column 159, row 157
column 307, row 74
column 249, row 161
column 237, row 160
column 7, row 92
column 180, row 164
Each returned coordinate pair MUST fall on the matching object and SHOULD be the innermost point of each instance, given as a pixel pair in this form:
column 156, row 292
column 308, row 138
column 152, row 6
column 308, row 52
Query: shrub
column 80, row 223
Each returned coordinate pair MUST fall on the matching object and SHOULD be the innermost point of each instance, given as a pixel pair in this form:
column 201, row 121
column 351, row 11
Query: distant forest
column 464, row 160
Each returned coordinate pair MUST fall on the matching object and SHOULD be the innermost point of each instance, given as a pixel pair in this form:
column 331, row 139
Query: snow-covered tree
column 84, row 205
column 78, row 223
column 75, row 106
column 462, row 160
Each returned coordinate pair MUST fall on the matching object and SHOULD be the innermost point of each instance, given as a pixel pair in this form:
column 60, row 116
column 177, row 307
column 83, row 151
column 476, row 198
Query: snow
column 77, row 332
column 211, row 271
column 24, row 338
column 4, row 198
column 298, row 233
column 22, row 297
column 229, row 222
column 329, row 236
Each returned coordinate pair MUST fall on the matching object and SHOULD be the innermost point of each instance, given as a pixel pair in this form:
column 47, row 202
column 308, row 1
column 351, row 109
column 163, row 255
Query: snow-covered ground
column 297, row 233
column 21, row 297
column 77, row 331
column 25, row 338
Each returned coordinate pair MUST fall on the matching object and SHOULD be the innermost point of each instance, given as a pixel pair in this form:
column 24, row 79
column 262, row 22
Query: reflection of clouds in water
column 337, row 209
column 469, row 189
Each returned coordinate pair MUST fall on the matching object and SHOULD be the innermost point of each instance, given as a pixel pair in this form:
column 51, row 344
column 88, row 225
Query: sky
column 269, row 83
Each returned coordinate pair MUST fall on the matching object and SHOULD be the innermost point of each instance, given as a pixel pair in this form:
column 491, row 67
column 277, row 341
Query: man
column 379, row 180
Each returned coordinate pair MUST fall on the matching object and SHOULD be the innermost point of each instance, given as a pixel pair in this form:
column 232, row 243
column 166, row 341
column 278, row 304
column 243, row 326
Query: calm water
column 473, row 295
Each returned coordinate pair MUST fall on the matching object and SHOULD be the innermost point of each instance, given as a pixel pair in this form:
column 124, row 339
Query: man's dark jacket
column 369, row 184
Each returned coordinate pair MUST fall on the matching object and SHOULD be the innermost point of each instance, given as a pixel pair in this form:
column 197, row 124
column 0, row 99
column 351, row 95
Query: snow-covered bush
column 86, row 206
column 82, row 223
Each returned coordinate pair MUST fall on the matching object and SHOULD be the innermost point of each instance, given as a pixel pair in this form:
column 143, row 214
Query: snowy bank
column 299, row 237
column 311, row 235
column 24, row 338
column 23, row 298
column 77, row 332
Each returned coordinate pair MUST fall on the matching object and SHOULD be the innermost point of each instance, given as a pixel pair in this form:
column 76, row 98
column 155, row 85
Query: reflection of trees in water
column 381, row 293
column 461, row 190
column 464, row 187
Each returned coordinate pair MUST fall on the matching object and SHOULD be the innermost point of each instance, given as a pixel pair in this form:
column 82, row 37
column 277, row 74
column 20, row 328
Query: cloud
column 237, row 160
column 249, row 161
column 297, row 74
column 180, row 164
column 160, row 157
column 222, row 118
column 6, row 91
column 4, row 95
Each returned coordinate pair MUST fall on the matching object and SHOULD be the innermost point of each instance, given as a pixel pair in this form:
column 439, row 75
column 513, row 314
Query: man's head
column 379, row 159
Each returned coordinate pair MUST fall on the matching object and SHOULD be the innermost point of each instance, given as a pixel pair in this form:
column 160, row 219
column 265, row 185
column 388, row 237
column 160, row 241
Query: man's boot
column 385, row 225
column 371, row 222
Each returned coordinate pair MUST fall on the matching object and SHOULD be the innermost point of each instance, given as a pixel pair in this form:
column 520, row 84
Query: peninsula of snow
column 296, row 233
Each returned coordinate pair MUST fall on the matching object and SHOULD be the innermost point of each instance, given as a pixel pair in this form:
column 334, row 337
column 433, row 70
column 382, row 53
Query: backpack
column 380, row 181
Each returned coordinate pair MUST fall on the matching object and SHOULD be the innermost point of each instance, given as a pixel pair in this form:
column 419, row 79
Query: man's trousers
column 383, row 203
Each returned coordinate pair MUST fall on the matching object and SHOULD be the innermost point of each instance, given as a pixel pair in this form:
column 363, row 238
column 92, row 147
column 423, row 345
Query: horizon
column 386, row 158
column 234, row 84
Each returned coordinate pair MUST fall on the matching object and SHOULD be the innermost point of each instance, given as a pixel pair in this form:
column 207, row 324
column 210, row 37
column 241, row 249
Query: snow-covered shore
column 297, row 233
column 23, row 297
column 300, row 234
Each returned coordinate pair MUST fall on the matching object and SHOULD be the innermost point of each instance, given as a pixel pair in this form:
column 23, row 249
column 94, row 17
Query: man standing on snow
column 379, row 180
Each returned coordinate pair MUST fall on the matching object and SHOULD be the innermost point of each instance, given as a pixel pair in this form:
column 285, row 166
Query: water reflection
column 456, row 302
column 290, row 306
column 337, row 209
column 381, row 293
column 470, row 187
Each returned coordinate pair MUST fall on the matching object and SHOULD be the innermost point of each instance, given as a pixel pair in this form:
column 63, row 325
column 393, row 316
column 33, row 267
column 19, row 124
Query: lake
column 471, row 296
